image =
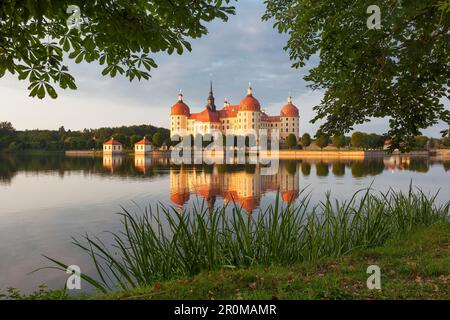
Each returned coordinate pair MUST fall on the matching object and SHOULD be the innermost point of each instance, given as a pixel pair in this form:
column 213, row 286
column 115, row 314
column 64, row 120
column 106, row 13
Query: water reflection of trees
column 446, row 165
column 364, row 168
column 10, row 165
column 338, row 169
column 306, row 168
column 322, row 169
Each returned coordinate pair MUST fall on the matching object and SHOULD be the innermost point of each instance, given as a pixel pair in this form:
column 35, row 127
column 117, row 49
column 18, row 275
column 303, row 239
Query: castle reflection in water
column 245, row 185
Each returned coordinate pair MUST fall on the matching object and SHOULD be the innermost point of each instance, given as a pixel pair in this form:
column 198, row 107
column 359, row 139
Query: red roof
column 274, row 119
column 180, row 109
column 113, row 142
column 289, row 110
column 264, row 116
column 206, row 115
column 144, row 141
column 228, row 112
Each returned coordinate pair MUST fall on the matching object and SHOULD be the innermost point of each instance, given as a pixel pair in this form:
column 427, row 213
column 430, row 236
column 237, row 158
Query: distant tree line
column 362, row 140
column 62, row 139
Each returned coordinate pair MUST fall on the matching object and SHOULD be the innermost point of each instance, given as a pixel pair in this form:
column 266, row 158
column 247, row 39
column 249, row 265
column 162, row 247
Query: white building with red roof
column 142, row 147
column 112, row 146
column 243, row 119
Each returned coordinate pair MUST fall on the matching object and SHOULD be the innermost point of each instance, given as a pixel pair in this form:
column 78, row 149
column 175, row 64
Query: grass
column 417, row 266
column 164, row 244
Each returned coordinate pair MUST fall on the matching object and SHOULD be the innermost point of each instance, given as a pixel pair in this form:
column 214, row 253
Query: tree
column 157, row 140
column 399, row 71
column 373, row 141
column 134, row 138
column 358, row 140
column 121, row 138
column 338, row 140
column 446, row 142
column 6, row 128
column 321, row 140
column 306, row 140
column 36, row 37
column 6, row 134
column 291, row 141
column 420, row 142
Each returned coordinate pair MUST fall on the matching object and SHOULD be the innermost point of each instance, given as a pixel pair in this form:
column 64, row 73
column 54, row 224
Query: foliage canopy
column 400, row 72
column 121, row 35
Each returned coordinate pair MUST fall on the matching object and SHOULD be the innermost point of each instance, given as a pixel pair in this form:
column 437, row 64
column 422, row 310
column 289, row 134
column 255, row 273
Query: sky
column 244, row 49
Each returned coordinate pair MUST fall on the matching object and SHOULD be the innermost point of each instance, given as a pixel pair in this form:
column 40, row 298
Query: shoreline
column 286, row 154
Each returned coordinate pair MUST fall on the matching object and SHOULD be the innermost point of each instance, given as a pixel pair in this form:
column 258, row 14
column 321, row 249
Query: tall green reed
column 162, row 243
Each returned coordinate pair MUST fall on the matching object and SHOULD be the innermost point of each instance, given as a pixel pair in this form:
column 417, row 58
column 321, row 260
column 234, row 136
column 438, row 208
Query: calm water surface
column 45, row 200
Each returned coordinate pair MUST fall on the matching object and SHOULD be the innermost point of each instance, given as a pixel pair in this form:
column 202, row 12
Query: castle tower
column 211, row 104
column 179, row 115
column 290, row 120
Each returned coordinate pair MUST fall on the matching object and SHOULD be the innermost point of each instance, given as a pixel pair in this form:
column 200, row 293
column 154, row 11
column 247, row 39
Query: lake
column 47, row 199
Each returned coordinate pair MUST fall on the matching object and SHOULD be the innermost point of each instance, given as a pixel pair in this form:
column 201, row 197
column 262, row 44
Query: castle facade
column 246, row 118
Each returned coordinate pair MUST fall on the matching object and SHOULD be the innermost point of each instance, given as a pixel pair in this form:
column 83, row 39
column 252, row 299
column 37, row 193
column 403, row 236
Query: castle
column 244, row 119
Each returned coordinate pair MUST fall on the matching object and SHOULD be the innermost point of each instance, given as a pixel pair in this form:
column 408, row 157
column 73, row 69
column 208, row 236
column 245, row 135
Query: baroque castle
column 246, row 118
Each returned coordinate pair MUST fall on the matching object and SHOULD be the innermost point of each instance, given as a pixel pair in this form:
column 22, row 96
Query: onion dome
column 249, row 103
column 179, row 198
column 289, row 196
column 180, row 108
column 289, row 110
column 249, row 204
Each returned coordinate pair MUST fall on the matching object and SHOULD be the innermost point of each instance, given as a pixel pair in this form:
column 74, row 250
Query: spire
column 211, row 104
column 290, row 99
column 180, row 96
column 249, row 90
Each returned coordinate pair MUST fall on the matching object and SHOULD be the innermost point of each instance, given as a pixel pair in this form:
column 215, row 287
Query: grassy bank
column 413, row 266
column 161, row 244
column 416, row 266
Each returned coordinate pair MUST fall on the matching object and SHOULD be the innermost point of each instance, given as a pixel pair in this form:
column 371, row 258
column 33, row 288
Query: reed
column 161, row 243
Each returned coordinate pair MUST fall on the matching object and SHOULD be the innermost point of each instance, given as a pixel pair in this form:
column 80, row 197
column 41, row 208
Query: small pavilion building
column 112, row 147
column 142, row 147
